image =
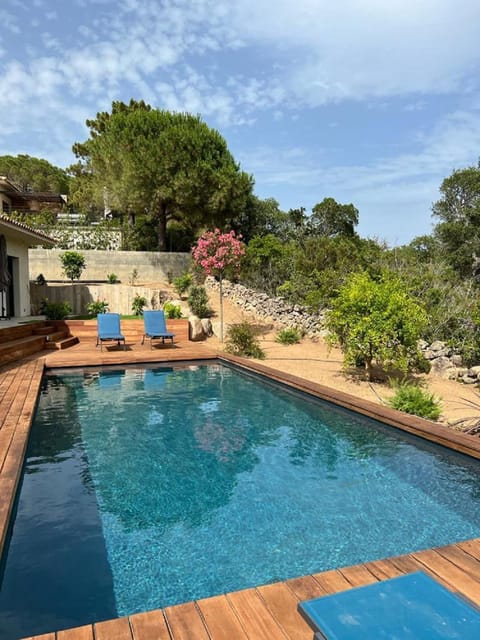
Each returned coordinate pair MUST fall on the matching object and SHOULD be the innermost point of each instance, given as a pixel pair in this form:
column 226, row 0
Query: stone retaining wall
column 276, row 310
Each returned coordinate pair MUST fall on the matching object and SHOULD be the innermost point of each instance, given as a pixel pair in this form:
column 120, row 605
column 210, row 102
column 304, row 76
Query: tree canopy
column 170, row 166
column 459, row 213
column 330, row 218
column 34, row 174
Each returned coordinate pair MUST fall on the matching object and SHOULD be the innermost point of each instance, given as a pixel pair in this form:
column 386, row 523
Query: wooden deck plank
column 450, row 574
column 282, row 603
column 220, row 619
column 185, row 622
column 461, row 559
column 384, row 569
column 117, row 629
column 149, row 626
column 332, row 581
column 254, row 616
column 78, row 633
column 471, row 546
column 305, row 588
column 358, row 575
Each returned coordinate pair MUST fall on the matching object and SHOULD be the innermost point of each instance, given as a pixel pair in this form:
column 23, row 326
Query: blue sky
column 366, row 101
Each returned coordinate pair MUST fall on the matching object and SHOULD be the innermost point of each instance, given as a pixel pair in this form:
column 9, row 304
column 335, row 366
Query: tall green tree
column 34, row 174
column 171, row 166
column 330, row 218
column 459, row 213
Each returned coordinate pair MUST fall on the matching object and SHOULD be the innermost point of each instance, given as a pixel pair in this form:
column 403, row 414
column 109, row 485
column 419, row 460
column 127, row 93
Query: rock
column 440, row 366
column 438, row 345
column 207, row 327
column 195, row 329
column 468, row 380
column 457, row 360
column 474, row 372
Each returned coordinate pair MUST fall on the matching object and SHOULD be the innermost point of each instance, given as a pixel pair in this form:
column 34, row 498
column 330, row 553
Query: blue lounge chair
column 155, row 327
column 411, row 607
column 108, row 328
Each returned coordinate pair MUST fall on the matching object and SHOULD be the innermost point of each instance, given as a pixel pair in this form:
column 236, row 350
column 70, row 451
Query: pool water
column 148, row 487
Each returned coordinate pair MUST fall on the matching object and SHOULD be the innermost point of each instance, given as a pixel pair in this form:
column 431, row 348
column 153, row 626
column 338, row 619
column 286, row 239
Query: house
column 15, row 240
column 12, row 198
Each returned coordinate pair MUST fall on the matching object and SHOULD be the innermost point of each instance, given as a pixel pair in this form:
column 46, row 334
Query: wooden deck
column 268, row 611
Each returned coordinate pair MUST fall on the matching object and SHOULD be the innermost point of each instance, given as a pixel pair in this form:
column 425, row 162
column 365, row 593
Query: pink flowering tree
column 215, row 253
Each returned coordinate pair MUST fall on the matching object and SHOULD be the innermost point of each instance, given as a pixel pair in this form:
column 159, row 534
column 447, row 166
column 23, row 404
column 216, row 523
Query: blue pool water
column 148, row 487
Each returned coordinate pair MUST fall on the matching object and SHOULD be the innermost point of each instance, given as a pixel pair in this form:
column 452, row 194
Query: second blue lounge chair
column 410, row 607
column 155, row 327
column 108, row 328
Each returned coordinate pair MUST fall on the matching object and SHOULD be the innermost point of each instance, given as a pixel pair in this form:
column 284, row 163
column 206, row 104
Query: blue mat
column 411, row 607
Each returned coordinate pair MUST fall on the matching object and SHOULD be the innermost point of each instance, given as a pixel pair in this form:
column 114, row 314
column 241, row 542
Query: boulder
column 207, row 327
column 195, row 329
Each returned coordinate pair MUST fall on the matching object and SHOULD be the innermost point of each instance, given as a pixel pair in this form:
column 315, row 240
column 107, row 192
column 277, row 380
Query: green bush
column 182, row 283
column 290, row 335
column 242, row 341
column 73, row 264
column 55, row 310
column 138, row 303
column 172, row 311
column 198, row 302
column 96, row 307
column 411, row 398
column 112, row 278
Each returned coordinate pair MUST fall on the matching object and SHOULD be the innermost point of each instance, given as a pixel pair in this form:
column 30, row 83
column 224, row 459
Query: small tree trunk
column 368, row 368
column 221, row 309
column 162, row 227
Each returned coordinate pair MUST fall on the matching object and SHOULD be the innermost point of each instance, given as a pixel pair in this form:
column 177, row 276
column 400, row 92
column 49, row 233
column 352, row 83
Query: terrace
column 268, row 611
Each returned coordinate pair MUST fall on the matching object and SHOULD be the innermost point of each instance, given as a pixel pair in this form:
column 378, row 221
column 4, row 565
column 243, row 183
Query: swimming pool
column 148, row 487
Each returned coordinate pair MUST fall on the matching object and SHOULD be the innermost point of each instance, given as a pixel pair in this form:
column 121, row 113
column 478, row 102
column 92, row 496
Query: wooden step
column 18, row 349
column 63, row 343
column 42, row 330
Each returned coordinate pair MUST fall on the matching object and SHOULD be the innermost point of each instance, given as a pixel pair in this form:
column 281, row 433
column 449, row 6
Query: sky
column 370, row 102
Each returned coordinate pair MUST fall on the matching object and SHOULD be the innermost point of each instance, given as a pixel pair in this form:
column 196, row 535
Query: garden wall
column 78, row 295
column 151, row 266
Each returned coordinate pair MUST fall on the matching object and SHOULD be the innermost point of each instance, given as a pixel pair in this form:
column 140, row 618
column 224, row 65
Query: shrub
column 290, row 335
column 182, row 283
column 96, row 307
column 138, row 303
column 172, row 311
column 73, row 264
column 133, row 277
column 112, row 278
column 242, row 341
column 198, row 302
column 411, row 398
column 55, row 310
column 40, row 279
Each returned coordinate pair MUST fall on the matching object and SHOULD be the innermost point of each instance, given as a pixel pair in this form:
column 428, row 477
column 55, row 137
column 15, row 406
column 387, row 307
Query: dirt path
column 314, row 361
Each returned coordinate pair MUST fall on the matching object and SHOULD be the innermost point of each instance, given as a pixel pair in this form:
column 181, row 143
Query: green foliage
column 170, row 165
column 112, row 278
column 459, row 213
column 73, row 264
column 172, row 311
column 411, row 398
column 139, row 302
column 290, row 335
column 376, row 320
column 198, row 302
column 329, row 218
column 55, row 310
column 182, row 283
column 242, row 341
column 34, row 174
column 96, row 307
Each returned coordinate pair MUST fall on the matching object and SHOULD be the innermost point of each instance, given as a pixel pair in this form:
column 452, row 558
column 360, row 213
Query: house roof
column 24, row 232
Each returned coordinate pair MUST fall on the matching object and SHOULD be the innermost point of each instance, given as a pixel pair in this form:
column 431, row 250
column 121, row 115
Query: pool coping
column 20, row 385
column 426, row 429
